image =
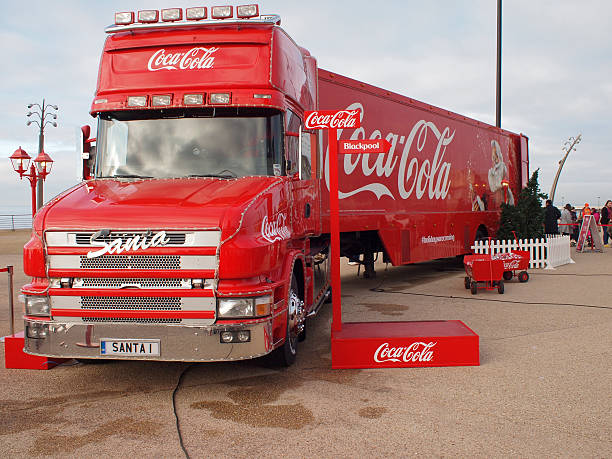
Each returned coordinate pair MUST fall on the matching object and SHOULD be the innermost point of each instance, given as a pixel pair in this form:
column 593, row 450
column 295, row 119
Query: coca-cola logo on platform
column 276, row 230
column 326, row 119
column 416, row 175
column 195, row 58
column 416, row 352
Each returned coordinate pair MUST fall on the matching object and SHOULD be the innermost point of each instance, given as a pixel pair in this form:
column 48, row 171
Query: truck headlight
column 37, row 306
column 244, row 307
column 37, row 330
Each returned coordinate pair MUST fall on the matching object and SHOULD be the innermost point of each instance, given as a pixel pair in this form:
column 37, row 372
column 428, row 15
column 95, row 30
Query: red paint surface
column 14, row 357
column 356, row 345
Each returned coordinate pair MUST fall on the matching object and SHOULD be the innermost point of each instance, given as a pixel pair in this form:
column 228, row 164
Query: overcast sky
column 557, row 67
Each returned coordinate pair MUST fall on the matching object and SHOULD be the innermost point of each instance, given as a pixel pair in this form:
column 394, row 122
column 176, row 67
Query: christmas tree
column 526, row 219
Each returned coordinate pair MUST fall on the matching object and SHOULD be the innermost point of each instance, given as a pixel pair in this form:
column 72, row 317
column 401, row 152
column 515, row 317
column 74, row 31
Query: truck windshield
column 224, row 143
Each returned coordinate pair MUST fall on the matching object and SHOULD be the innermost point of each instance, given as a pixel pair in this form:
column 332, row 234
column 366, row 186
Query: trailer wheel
column 285, row 355
column 507, row 275
column 523, row 276
column 474, row 287
column 466, row 282
column 500, row 287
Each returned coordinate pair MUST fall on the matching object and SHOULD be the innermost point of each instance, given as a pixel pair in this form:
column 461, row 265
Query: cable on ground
column 178, row 425
column 493, row 299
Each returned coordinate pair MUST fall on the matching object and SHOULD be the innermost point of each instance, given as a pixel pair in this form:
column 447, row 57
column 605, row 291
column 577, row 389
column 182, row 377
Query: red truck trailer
column 200, row 231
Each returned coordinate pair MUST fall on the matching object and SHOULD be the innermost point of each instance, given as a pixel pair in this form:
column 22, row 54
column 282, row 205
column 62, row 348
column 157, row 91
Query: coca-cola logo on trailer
column 417, row 175
column 195, row 58
column 416, row 352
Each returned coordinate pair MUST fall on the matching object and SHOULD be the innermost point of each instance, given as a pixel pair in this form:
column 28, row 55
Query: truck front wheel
column 285, row 355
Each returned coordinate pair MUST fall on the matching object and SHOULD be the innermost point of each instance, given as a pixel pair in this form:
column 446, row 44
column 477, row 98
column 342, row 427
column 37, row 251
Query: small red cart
column 517, row 260
column 485, row 270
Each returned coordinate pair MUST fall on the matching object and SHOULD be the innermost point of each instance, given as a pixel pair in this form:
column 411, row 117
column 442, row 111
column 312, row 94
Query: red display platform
column 14, row 357
column 404, row 344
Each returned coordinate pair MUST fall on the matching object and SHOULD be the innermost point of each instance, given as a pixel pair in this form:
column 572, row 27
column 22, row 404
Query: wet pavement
column 542, row 389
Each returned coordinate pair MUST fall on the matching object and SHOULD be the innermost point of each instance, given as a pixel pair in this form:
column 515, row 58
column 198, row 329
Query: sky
column 556, row 67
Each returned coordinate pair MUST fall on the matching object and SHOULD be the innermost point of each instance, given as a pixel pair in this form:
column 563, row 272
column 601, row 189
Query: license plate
column 131, row 347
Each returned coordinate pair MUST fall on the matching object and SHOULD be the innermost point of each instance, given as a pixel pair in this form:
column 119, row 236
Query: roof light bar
column 148, row 16
column 193, row 99
column 195, row 14
column 247, row 11
column 172, row 14
column 124, row 18
column 221, row 12
column 137, row 101
column 164, row 100
column 220, row 98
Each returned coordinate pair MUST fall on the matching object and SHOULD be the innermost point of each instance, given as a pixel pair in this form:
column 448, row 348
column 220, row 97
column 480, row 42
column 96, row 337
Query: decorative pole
column 568, row 146
column 42, row 112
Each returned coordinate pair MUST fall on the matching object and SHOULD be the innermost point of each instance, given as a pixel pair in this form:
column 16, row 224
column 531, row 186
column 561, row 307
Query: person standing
column 604, row 219
column 566, row 220
column 551, row 217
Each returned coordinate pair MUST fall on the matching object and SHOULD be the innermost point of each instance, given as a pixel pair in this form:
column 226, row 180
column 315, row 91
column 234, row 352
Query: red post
column 32, row 177
column 334, row 221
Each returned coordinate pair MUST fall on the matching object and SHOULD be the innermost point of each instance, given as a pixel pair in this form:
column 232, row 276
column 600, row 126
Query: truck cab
column 189, row 237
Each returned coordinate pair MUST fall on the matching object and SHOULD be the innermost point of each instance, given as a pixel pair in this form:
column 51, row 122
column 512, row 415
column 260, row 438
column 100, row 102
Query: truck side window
column 292, row 129
column 306, row 155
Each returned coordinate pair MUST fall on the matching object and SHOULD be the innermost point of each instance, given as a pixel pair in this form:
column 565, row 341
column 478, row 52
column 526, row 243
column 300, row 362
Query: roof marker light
column 137, row 101
column 172, row 14
column 125, row 18
column 193, row 99
column 247, row 11
column 221, row 12
column 147, row 16
column 220, row 98
column 195, row 14
column 164, row 100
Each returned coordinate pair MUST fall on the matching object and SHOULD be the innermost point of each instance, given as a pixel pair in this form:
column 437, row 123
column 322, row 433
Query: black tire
column 500, row 287
column 466, row 282
column 523, row 276
column 507, row 275
column 286, row 354
column 474, row 287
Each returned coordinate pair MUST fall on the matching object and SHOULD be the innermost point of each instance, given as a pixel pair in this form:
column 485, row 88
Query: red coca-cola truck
column 200, row 231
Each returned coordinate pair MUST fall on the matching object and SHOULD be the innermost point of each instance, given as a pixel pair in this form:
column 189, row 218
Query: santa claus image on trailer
column 498, row 174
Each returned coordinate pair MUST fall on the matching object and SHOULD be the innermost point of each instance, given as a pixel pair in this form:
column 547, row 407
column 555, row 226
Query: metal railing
column 15, row 221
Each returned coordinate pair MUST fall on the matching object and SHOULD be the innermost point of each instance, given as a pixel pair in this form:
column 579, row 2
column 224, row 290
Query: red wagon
column 517, row 260
column 484, row 270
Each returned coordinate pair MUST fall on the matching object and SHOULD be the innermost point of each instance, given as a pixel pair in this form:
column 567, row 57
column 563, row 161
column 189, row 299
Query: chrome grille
column 85, row 238
column 131, row 262
column 136, row 321
column 150, row 303
column 94, row 282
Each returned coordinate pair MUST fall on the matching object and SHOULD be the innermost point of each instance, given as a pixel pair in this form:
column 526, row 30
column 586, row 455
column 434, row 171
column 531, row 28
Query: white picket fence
column 548, row 253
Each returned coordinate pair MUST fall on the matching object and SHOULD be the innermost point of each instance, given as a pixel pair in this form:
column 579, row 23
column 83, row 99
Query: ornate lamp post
column 568, row 146
column 43, row 117
column 39, row 170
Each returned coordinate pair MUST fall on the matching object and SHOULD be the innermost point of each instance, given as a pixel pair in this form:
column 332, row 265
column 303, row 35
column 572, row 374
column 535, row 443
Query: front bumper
column 177, row 342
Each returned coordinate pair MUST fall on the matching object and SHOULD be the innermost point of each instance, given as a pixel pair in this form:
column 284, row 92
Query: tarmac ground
column 543, row 388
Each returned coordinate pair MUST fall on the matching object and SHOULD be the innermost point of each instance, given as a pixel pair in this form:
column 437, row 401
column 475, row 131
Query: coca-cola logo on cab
column 328, row 119
column 276, row 230
column 195, row 58
column 415, row 352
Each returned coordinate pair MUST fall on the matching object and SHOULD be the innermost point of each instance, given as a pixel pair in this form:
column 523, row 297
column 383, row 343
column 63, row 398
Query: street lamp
column 568, row 146
column 42, row 117
column 39, row 169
